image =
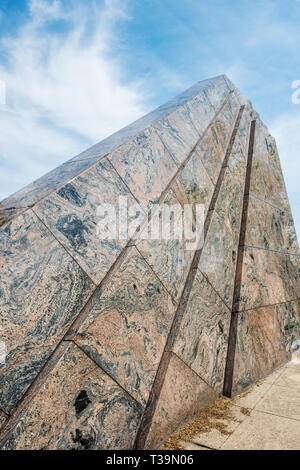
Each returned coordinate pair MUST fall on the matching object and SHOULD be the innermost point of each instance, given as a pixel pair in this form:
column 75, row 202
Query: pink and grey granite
column 182, row 396
column 218, row 259
column 211, row 153
column 126, row 329
column 3, row 418
column 178, row 138
column 268, row 277
column 205, row 98
column 264, row 342
column 193, row 185
column 270, row 228
column 110, row 343
column 237, row 163
column 42, row 291
column 77, row 407
column 201, row 111
column 70, row 213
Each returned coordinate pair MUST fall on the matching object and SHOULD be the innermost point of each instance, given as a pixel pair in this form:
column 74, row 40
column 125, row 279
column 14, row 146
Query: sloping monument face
column 116, row 326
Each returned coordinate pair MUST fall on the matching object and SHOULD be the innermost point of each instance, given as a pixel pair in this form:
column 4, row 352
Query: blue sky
column 76, row 71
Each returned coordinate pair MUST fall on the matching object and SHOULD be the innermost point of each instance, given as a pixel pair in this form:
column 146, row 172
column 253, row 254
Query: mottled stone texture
column 42, row 290
column 115, row 343
column 264, row 340
column 269, row 318
column 126, row 329
column 182, row 396
column 78, row 407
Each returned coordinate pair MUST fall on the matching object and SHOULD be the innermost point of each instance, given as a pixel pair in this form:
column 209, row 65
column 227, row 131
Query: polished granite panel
column 229, row 204
column 178, row 133
column 145, row 166
column 42, row 291
column 182, row 396
column 203, row 334
column 264, row 342
column 233, row 106
column 169, row 258
column 79, row 407
column 270, row 228
column 243, row 131
column 8, row 214
column 275, row 188
column 126, row 329
column 40, row 188
column 218, row 259
column 268, row 277
column 70, row 214
column 3, row 418
column 225, row 121
column 237, row 163
column 266, row 177
column 214, row 89
column 193, row 185
column 259, row 172
column 201, row 111
column 217, row 90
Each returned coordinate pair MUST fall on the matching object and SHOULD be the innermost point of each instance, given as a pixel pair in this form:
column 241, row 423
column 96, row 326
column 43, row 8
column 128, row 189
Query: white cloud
column 65, row 90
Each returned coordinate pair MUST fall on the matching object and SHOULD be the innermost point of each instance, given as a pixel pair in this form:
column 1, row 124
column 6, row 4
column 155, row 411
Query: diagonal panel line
column 229, row 368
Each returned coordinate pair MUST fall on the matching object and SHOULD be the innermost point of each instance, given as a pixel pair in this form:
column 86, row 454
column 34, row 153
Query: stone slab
column 229, row 205
column 145, row 166
column 71, row 215
column 169, row 258
column 193, row 185
column 268, row 278
column 182, row 396
column 270, row 228
column 126, row 329
column 262, row 431
column 264, row 338
column 290, row 377
column 253, row 396
column 203, row 334
column 237, row 163
column 201, row 111
column 79, row 407
column 211, row 153
column 281, row 401
column 200, row 95
column 218, row 259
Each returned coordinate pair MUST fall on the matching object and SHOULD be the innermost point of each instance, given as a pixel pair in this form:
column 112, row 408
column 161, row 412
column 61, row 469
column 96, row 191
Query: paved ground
column 266, row 418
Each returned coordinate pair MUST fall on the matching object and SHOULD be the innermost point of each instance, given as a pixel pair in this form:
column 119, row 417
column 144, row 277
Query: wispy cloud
column 286, row 131
column 65, row 91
